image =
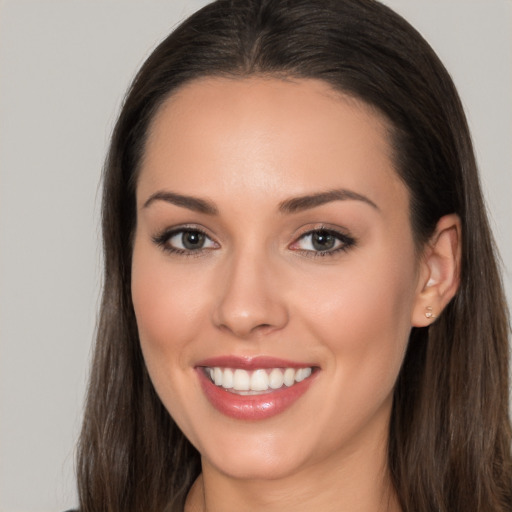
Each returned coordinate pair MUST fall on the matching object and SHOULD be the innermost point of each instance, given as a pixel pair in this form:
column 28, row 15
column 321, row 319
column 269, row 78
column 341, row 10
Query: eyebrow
column 293, row 205
column 191, row 203
column 298, row 204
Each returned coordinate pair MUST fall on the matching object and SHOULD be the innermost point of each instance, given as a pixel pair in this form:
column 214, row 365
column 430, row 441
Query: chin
column 260, row 467
column 255, row 456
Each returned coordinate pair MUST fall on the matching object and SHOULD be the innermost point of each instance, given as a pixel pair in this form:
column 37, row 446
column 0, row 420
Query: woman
column 302, row 308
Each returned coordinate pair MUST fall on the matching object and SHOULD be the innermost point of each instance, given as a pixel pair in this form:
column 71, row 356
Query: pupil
column 323, row 241
column 192, row 240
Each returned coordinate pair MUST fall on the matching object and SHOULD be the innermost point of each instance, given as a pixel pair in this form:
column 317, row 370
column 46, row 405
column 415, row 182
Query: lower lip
column 252, row 407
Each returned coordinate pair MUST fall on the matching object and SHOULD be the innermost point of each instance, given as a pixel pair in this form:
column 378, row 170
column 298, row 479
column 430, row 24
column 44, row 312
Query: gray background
column 64, row 67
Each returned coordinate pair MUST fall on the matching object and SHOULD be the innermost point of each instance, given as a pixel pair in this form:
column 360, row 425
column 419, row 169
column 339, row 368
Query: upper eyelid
column 346, row 240
column 165, row 234
column 162, row 240
column 312, row 228
column 342, row 236
column 328, row 230
column 172, row 230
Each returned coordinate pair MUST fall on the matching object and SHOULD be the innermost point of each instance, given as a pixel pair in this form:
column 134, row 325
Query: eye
column 183, row 241
column 323, row 242
column 189, row 240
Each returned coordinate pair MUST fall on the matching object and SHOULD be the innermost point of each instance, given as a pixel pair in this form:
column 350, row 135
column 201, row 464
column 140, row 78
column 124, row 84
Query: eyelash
column 346, row 242
column 162, row 240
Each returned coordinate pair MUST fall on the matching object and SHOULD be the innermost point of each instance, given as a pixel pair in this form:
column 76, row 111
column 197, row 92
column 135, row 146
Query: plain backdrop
column 64, row 67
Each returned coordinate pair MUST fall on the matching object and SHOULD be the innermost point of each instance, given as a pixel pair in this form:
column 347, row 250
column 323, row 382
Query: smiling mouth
column 258, row 381
column 254, row 388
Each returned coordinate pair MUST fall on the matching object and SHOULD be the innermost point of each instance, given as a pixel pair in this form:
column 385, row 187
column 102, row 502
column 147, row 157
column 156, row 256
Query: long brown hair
column 450, row 434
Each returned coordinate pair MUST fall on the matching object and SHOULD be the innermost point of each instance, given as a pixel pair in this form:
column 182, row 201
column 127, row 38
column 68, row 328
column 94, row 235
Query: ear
column 439, row 272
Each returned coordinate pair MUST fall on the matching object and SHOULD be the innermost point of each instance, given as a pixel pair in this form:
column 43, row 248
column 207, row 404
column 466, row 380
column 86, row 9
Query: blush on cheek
column 158, row 324
column 168, row 306
column 372, row 325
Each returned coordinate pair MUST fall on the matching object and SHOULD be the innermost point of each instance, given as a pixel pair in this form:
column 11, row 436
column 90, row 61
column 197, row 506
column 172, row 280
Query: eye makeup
column 322, row 242
column 191, row 240
column 185, row 241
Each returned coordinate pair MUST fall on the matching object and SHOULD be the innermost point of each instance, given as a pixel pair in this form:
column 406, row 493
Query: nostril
column 248, row 302
column 263, row 328
column 244, row 331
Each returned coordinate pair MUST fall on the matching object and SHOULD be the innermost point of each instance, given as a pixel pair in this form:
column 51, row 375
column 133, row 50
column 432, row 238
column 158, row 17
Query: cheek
column 167, row 304
column 364, row 294
column 167, row 311
column 363, row 314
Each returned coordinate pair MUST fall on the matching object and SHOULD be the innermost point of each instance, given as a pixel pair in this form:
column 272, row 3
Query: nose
column 250, row 300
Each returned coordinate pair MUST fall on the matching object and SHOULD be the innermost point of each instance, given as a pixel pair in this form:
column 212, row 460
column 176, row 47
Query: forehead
column 265, row 134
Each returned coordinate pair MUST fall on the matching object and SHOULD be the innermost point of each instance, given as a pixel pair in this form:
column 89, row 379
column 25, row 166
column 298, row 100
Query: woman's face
column 274, row 273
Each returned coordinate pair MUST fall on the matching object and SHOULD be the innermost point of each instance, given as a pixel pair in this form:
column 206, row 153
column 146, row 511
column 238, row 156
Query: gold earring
column 429, row 313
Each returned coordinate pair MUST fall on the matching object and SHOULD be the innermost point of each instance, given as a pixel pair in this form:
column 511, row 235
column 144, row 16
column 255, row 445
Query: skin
column 259, row 288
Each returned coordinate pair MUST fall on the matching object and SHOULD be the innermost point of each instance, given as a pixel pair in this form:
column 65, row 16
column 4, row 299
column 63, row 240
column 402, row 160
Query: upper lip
column 251, row 363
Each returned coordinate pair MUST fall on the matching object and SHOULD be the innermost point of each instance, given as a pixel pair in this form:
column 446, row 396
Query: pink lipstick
column 254, row 388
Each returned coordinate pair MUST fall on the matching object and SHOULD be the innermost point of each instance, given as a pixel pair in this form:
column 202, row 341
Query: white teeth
column 258, row 380
column 276, row 379
column 217, row 376
column 241, row 380
column 289, row 377
column 302, row 374
column 227, row 381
